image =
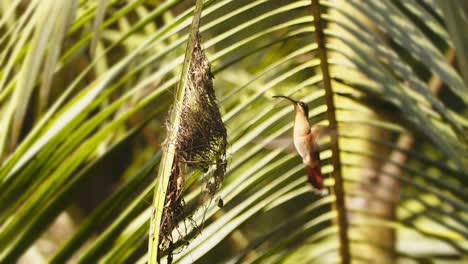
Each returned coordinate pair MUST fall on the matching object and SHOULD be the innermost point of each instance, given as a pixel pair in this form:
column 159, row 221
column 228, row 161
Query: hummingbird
column 305, row 142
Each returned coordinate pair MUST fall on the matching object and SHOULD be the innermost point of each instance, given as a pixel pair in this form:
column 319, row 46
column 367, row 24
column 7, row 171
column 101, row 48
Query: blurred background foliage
column 86, row 85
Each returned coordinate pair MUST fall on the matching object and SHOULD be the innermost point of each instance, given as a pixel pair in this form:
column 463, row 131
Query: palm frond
column 85, row 87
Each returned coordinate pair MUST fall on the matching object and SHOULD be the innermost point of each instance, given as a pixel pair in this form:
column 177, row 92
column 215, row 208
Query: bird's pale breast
column 304, row 145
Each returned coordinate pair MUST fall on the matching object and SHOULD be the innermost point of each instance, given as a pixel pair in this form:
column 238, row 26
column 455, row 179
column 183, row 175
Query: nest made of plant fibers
column 201, row 139
column 201, row 144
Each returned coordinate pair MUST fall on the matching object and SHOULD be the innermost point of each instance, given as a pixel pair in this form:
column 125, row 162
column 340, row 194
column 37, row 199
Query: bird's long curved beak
column 285, row 97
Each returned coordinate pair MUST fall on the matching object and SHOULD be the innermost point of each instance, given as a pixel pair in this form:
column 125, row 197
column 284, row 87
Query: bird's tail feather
column 315, row 177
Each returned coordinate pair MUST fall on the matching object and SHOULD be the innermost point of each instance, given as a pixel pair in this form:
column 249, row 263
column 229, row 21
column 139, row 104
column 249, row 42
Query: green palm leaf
column 85, row 88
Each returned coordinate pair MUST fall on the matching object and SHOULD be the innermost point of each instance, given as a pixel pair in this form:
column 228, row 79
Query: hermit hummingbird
column 305, row 140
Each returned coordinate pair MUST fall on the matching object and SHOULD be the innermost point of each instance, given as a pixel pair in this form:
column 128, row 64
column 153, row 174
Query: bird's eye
column 302, row 104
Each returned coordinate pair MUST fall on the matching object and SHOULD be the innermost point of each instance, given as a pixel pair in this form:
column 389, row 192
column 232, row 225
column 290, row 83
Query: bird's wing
column 285, row 143
column 324, row 136
column 321, row 131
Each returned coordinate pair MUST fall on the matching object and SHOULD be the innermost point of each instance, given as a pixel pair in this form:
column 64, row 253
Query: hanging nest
column 200, row 144
column 201, row 141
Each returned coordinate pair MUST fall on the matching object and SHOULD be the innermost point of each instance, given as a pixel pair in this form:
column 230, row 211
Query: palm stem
column 167, row 160
column 336, row 163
